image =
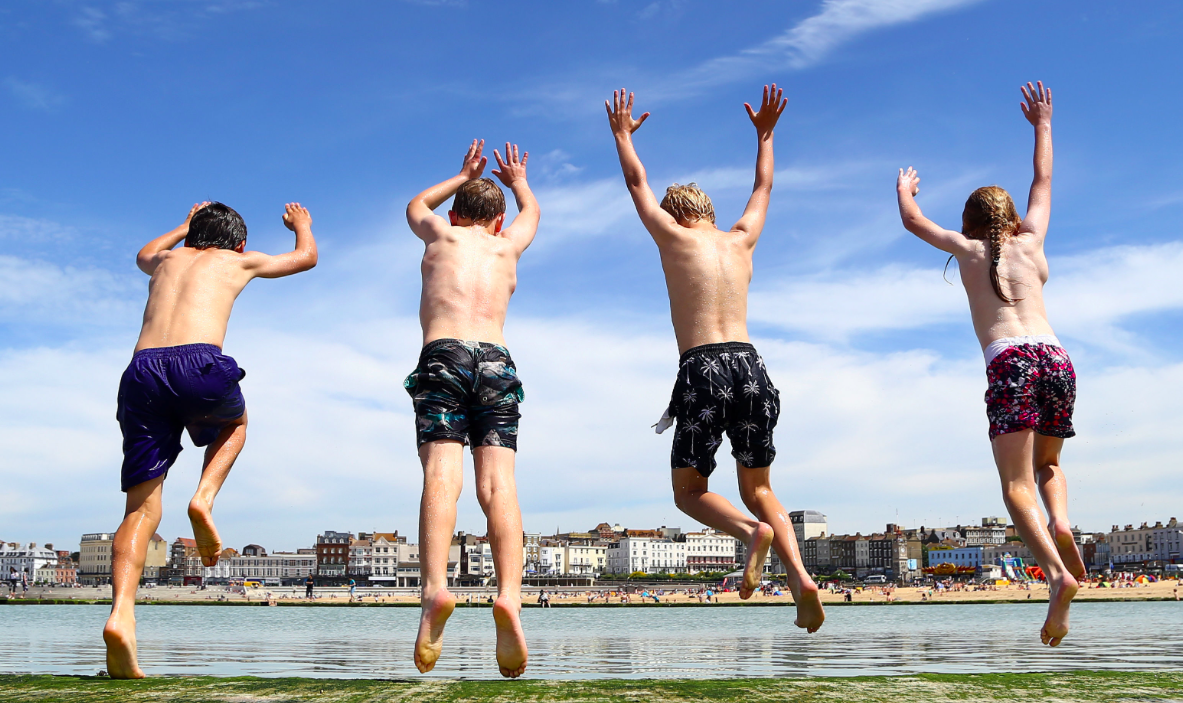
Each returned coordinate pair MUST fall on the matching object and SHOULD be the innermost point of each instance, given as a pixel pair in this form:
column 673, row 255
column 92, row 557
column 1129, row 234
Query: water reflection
column 597, row 643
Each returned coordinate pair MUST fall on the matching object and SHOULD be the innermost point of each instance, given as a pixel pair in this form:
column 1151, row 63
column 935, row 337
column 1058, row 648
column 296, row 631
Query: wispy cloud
column 164, row 20
column 34, row 96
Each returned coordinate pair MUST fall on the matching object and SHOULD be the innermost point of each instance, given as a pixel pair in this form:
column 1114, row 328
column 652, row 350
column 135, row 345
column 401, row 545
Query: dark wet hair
column 990, row 214
column 216, row 226
column 479, row 200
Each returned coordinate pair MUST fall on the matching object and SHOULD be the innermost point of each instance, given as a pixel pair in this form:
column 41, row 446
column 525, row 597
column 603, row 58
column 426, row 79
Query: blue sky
column 118, row 116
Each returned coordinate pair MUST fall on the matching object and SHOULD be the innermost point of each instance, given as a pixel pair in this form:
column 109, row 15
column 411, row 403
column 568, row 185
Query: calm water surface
column 601, row 643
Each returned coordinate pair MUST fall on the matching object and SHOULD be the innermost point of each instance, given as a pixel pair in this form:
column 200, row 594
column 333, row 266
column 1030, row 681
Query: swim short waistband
column 449, row 341
column 719, row 348
column 1000, row 345
column 157, row 352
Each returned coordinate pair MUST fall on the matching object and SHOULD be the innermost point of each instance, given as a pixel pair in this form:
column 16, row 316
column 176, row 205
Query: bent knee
column 687, row 495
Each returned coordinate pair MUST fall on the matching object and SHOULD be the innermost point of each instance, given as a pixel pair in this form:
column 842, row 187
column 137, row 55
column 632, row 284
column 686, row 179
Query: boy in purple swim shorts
column 179, row 380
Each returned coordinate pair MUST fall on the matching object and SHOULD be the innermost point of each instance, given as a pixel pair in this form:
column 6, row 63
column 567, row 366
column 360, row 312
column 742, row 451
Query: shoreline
column 1068, row 687
column 725, row 604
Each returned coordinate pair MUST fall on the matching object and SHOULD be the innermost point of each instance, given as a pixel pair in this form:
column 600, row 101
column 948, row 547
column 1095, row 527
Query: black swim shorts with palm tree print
column 722, row 388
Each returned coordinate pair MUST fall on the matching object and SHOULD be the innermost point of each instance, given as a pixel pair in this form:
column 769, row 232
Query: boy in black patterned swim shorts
column 722, row 385
column 466, row 388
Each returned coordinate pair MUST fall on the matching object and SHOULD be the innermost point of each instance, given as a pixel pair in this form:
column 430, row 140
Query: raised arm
column 1037, row 108
column 907, row 186
column 420, row 211
column 512, row 172
column 752, row 222
column 620, row 118
column 150, row 256
column 301, row 258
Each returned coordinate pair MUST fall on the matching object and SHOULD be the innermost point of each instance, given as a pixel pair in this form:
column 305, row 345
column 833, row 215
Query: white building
column 586, row 559
column 647, row 554
column 27, row 559
column 361, row 557
column 1131, row 546
column 992, row 531
column 94, row 558
column 806, row 524
column 552, row 560
column 276, row 569
column 710, row 550
column 1166, row 541
column 392, row 561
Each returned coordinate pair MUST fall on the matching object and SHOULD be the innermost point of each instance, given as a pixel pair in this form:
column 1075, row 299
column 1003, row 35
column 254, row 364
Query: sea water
column 594, row 643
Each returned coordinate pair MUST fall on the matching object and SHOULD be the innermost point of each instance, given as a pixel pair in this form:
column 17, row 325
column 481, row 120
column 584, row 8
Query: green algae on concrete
column 1070, row 687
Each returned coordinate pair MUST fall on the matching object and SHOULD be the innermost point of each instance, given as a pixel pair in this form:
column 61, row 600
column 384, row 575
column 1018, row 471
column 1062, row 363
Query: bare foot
column 1059, row 598
column 511, row 641
column 437, row 609
column 1066, row 546
column 209, row 544
column 810, row 614
column 120, row 636
column 753, row 570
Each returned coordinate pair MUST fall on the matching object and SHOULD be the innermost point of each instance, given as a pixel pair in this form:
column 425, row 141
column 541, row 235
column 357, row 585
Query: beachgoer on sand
column 466, row 388
column 722, row 384
column 179, row 380
column 1031, row 385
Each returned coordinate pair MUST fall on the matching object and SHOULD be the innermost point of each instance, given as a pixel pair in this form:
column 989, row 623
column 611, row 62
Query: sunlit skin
column 707, row 274
column 1028, row 463
column 190, row 297
column 469, row 274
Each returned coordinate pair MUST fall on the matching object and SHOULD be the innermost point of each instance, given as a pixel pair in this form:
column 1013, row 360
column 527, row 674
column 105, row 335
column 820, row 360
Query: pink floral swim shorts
column 1031, row 386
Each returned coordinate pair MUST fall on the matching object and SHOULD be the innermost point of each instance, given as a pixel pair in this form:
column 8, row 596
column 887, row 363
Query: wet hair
column 216, row 226
column 990, row 214
column 479, row 200
column 688, row 203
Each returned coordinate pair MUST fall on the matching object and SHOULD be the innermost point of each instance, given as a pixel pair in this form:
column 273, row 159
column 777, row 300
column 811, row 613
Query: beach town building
column 586, row 558
column 387, row 549
column 185, row 565
column 531, row 543
column 156, row 558
column 709, row 550
column 960, row 556
column 332, row 553
column 220, row 572
column 1167, row 540
column 991, row 531
column 995, row 553
column 651, row 555
column 361, row 556
column 66, row 571
column 94, row 558
column 27, row 559
column 476, row 558
column 552, row 558
column 1130, row 546
column 274, row 569
column 807, row 523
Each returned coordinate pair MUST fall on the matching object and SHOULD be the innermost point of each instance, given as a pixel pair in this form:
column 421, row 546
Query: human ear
column 498, row 223
column 241, row 247
column 452, row 217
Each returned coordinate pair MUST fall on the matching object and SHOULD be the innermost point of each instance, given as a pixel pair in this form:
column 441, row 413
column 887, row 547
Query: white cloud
column 34, row 96
column 38, row 292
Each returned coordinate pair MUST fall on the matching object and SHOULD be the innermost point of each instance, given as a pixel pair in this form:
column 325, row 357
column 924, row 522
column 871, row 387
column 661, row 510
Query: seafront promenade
column 602, row 595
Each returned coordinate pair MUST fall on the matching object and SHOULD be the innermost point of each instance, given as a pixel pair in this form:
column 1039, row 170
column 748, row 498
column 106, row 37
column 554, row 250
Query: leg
column 756, row 490
column 1013, row 453
column 498, row 496
column 219, row 459
column 692, row 497
column 1054, row 491
column 140, row 520
column 443, row 476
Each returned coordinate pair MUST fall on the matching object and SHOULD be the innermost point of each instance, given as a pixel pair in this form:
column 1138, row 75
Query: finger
column 484, row 160
column 516, row 158
column 500, row 163
column 525, row 155
column 642, row 119
column 480, row 148
column 781, row 109
column 1040, row 84
column 751, row 114
column 1049, row 97
column 608, row 109
column 1026, row 96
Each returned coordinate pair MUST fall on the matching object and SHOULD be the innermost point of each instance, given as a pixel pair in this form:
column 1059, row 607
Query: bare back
column 469, row 276
column 1022, row 272
column 707, row 273
column 190, row 297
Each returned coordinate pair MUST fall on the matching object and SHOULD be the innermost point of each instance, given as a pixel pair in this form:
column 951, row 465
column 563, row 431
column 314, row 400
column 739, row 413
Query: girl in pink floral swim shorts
column 1032, row 386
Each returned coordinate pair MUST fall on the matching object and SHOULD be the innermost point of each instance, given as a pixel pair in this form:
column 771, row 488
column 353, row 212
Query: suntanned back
column 190, row 297
column 192, row 291
column 469, row 276
column 707, row 274
column 1022, row 271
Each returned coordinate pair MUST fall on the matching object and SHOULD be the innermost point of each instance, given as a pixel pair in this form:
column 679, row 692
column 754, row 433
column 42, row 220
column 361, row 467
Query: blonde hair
column 990, row 214
column 688, row 203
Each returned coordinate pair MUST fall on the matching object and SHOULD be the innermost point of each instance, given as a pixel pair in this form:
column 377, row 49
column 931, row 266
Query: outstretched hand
column 1038, row 105
column 193, row 210
column 770, row 108
column 511, row 168
column 296, row 215
column 909, row 180
column 474, row 163
column 620, row 113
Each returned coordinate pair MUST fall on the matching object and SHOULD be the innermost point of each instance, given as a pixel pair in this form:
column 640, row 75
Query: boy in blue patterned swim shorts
column 466, row 389
column 179, row 380
column 722, row 385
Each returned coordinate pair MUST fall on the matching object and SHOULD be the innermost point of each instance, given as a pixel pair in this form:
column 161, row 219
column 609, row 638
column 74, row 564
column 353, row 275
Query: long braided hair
column 990, row 214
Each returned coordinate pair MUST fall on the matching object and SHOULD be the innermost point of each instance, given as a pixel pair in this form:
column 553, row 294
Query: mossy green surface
column 1060, row 687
